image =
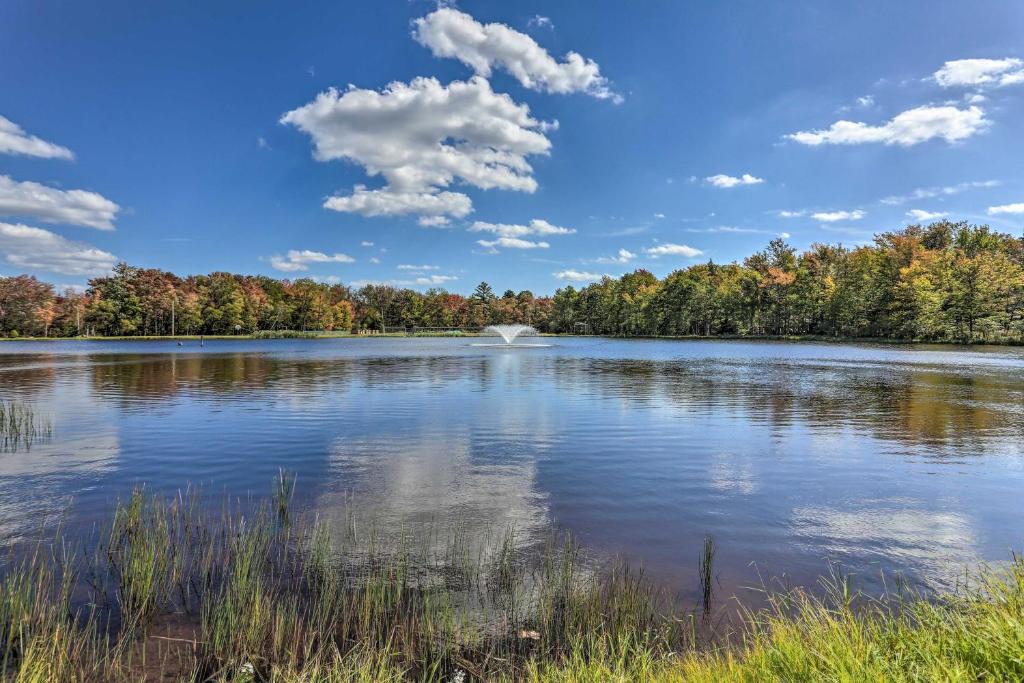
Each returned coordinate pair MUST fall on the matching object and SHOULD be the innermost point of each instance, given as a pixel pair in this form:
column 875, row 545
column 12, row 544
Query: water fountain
column 509, row 333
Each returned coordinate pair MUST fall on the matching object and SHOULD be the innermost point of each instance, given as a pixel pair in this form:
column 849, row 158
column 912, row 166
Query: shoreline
column 313, row 336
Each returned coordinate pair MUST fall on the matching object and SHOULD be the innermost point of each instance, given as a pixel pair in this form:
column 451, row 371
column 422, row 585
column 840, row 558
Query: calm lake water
column 883, row 458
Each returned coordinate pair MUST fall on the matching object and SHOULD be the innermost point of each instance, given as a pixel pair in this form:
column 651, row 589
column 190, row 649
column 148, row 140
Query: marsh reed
column 21, row 426
column 172, row 591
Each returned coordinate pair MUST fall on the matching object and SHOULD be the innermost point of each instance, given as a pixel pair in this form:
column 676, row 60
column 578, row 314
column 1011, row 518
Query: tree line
column 944, row 282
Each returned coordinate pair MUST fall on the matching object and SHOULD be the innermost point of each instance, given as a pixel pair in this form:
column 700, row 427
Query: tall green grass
column 173, row 592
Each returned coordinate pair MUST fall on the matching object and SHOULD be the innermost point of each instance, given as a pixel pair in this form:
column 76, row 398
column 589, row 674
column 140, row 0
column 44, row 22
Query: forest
column 942, row 282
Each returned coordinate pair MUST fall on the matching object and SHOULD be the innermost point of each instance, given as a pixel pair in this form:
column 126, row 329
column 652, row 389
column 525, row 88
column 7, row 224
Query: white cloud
column 297, row 260
column 426, row 280
column 922, row 215
column 905, row 129
column 785, row 235
column 448, row 32
column 672, row 250
column 430, row 206
column 434, row 221
column 726, row 181
column 577, row 275
column 435, row 279
column 1013, row 79
column 980, row 72
column 14, row 140
column 29, row 248
column 539, row 21
column 326, row 279
column 407, row 266
column 930, row 192
column 511, row 243
column 866, row 101
column 659, row 216
column 1006, row 208
column 623, row 256
column 420, row 137
column 262, row 143
column 365, row 243
column 835, row 216
column 536, row 227
column 791, row 214
column 50, row 205
column 374, row 260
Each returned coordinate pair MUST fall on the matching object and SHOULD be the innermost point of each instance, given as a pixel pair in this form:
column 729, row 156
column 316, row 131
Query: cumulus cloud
column 420, row 137
column 50, row 205
column 835, row 216
column 366, row 243
column 536, row 227
column 791, row 214
column 922, row 215
column 14, row 140
column 448, row 32
column 28, row 248
column 623, row 256
column 980, row 73
column 727, row 181
column 298, row 260
column 1006, row 208
column 905, row 129
column 930, row 192
column 511, row 243
column 669, row 249
column 408, row 266
column 433, row 207
column 571, row 275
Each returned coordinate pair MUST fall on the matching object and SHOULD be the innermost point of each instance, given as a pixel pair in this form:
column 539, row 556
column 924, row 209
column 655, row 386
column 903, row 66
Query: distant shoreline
column 312, row 336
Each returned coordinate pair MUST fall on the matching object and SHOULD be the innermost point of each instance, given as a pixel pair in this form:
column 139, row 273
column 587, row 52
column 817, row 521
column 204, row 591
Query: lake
column 886, row 459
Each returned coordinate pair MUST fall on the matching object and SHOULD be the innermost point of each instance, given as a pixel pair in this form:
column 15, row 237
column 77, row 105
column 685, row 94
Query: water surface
column 890, row 459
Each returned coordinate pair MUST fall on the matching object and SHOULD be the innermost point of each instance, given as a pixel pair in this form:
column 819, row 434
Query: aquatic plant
column 21, row 426
column 706, row 576
column 174, row 592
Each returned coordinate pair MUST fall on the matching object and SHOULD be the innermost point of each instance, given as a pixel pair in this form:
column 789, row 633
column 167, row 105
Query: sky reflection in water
column 895, row 459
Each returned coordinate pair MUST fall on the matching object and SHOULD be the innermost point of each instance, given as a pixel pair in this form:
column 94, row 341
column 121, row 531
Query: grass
column 21, row 426
column 173, row 592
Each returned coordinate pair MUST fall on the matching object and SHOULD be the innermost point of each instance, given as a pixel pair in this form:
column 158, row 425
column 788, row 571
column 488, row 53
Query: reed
column 283, row 491
column 706, row 575
column 21, row 426
column 175, row 592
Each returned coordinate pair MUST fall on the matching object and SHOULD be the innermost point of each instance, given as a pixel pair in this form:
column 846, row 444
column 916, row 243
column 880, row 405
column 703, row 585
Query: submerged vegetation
column 171, row 593
column 21, row 426
column 944, row 282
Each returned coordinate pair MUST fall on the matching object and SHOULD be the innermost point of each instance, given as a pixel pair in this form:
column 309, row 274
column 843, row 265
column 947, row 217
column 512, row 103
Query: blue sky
column 196, row 137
